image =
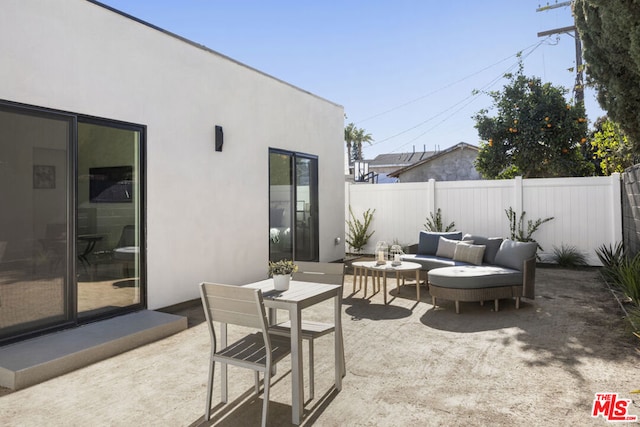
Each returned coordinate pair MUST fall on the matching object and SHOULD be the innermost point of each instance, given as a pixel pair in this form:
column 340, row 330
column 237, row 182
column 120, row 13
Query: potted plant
column 281, row 272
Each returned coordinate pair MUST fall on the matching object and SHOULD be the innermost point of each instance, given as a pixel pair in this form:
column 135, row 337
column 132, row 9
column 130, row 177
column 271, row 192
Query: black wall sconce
column 219, row 138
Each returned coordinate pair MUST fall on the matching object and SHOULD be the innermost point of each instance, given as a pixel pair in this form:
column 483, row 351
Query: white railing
column 587, row 211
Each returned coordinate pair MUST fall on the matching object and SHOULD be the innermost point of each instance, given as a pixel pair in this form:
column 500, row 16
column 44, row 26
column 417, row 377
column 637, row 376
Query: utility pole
column 578, row 88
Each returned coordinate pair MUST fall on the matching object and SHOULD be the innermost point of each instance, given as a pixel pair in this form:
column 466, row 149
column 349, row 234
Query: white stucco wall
column 207, row 212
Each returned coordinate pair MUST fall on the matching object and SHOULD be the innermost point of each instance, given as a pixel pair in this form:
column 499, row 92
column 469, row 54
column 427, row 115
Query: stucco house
column 135, row 164
column 452, row 164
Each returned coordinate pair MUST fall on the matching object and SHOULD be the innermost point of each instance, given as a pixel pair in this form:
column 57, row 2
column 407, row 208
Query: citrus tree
column 535, row 132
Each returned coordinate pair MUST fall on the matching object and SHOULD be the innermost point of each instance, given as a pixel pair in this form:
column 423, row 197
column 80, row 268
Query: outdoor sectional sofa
column 476, row 268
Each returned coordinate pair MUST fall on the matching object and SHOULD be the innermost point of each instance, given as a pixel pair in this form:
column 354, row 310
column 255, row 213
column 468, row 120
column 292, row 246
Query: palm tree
column 354, row 138
column 360, row 138
column 349, row 139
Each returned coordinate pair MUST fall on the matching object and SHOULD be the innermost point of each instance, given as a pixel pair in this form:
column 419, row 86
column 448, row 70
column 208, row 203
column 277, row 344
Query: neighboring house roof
column 399, row 159
column 458, row 146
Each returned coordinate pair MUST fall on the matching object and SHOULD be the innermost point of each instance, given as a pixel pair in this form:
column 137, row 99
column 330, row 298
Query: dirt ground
column 408, row 364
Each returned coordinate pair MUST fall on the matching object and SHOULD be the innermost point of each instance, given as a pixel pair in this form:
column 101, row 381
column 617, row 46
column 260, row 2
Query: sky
column 412, row 73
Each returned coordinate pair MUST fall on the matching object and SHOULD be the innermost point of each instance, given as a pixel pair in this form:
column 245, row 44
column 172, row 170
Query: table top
column 300, row 294
column 404, row 265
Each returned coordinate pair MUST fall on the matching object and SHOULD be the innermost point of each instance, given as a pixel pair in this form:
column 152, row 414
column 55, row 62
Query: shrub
column 568, row 256
column 517, row 231
column 435, row 223
column 611, row 257
column 358, row 235
column 626, row 276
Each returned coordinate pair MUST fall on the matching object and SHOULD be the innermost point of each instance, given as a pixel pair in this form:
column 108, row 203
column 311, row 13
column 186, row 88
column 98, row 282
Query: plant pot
column 281, row 281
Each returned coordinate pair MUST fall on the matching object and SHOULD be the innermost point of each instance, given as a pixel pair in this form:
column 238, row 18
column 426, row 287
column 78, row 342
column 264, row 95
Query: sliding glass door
column 71, row 223
column 109, row 228
column 35, row 221
column 293, row 203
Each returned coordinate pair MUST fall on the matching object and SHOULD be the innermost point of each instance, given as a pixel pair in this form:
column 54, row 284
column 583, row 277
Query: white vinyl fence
column 587, row 211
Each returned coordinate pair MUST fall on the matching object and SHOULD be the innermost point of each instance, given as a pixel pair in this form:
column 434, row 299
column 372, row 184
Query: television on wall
column 113, row 184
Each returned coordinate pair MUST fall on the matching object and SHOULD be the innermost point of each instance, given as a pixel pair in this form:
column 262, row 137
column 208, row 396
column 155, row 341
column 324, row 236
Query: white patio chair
column 319, row 272
column 236, row 305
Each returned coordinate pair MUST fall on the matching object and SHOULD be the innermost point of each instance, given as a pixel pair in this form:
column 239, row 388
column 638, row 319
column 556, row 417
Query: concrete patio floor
column 408, row 364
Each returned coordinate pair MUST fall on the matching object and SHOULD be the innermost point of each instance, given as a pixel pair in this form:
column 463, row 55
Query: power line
column 471, row 97
column 534, row 46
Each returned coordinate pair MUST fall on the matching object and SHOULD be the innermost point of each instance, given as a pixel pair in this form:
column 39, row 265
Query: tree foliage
column 535, row 132
column 611, row 148
column 360, row 138
column 354, row 138
column 349, row 138
column 610, row 36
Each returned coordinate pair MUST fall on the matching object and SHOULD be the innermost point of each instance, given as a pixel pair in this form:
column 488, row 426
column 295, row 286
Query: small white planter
column 281, row 281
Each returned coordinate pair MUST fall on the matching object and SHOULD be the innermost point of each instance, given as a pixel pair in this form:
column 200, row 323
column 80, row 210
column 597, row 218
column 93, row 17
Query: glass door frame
column 70, row 316
column 314, row 196
column 141, row 231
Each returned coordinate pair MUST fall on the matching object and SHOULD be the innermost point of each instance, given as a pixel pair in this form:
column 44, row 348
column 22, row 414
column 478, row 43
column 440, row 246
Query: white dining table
column 299, row 296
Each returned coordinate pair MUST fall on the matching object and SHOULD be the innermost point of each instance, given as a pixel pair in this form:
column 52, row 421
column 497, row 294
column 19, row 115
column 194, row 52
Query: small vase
column 281, row 281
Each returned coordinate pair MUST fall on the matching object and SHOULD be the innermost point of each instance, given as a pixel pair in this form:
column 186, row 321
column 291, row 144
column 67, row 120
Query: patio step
column 29, row 362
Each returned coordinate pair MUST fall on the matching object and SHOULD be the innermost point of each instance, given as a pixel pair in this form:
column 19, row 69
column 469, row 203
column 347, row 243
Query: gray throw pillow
column 513, row 254
column 446, row 247
column 428, row 241
column 492, row 244
column 472, row 254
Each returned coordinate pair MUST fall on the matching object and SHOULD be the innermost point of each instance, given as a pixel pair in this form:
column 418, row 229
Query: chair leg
column 265, row 397
column 457, row 307
column 311, row 376
column 207, row 413
column 257, row 387
column 344, row 360
column 495, row 302
column 517, row 303
column 225, row 389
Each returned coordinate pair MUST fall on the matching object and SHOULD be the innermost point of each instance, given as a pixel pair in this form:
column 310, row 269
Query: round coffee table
column 362, row 268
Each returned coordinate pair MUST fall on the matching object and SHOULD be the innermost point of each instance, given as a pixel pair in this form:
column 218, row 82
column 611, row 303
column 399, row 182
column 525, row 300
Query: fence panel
column 586, row 211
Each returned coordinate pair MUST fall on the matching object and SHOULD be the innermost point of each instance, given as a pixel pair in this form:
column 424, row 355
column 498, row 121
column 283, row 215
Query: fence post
column 616, row 208
column 517, row 195
column 432, row 195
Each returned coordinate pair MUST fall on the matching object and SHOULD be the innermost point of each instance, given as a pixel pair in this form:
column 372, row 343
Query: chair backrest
column 128, row 237
column 233, row 305
column 320, row 272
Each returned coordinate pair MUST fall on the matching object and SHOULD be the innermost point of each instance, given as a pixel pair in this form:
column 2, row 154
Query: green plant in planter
column 518, row 232
column 568, row 256
column 435, row 223
column 282, row 267
column 358, row 234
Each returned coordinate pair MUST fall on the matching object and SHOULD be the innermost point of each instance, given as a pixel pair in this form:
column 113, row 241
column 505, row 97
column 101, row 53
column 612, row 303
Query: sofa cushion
column 474, row 277
column 429, row 262
column 446, row 247
column 428, row 241
column 473, row 254
column 492, row 244
column 513, row 254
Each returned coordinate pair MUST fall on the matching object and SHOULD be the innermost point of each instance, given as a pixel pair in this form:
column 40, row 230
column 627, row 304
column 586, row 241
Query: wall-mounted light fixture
column 219, row 138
